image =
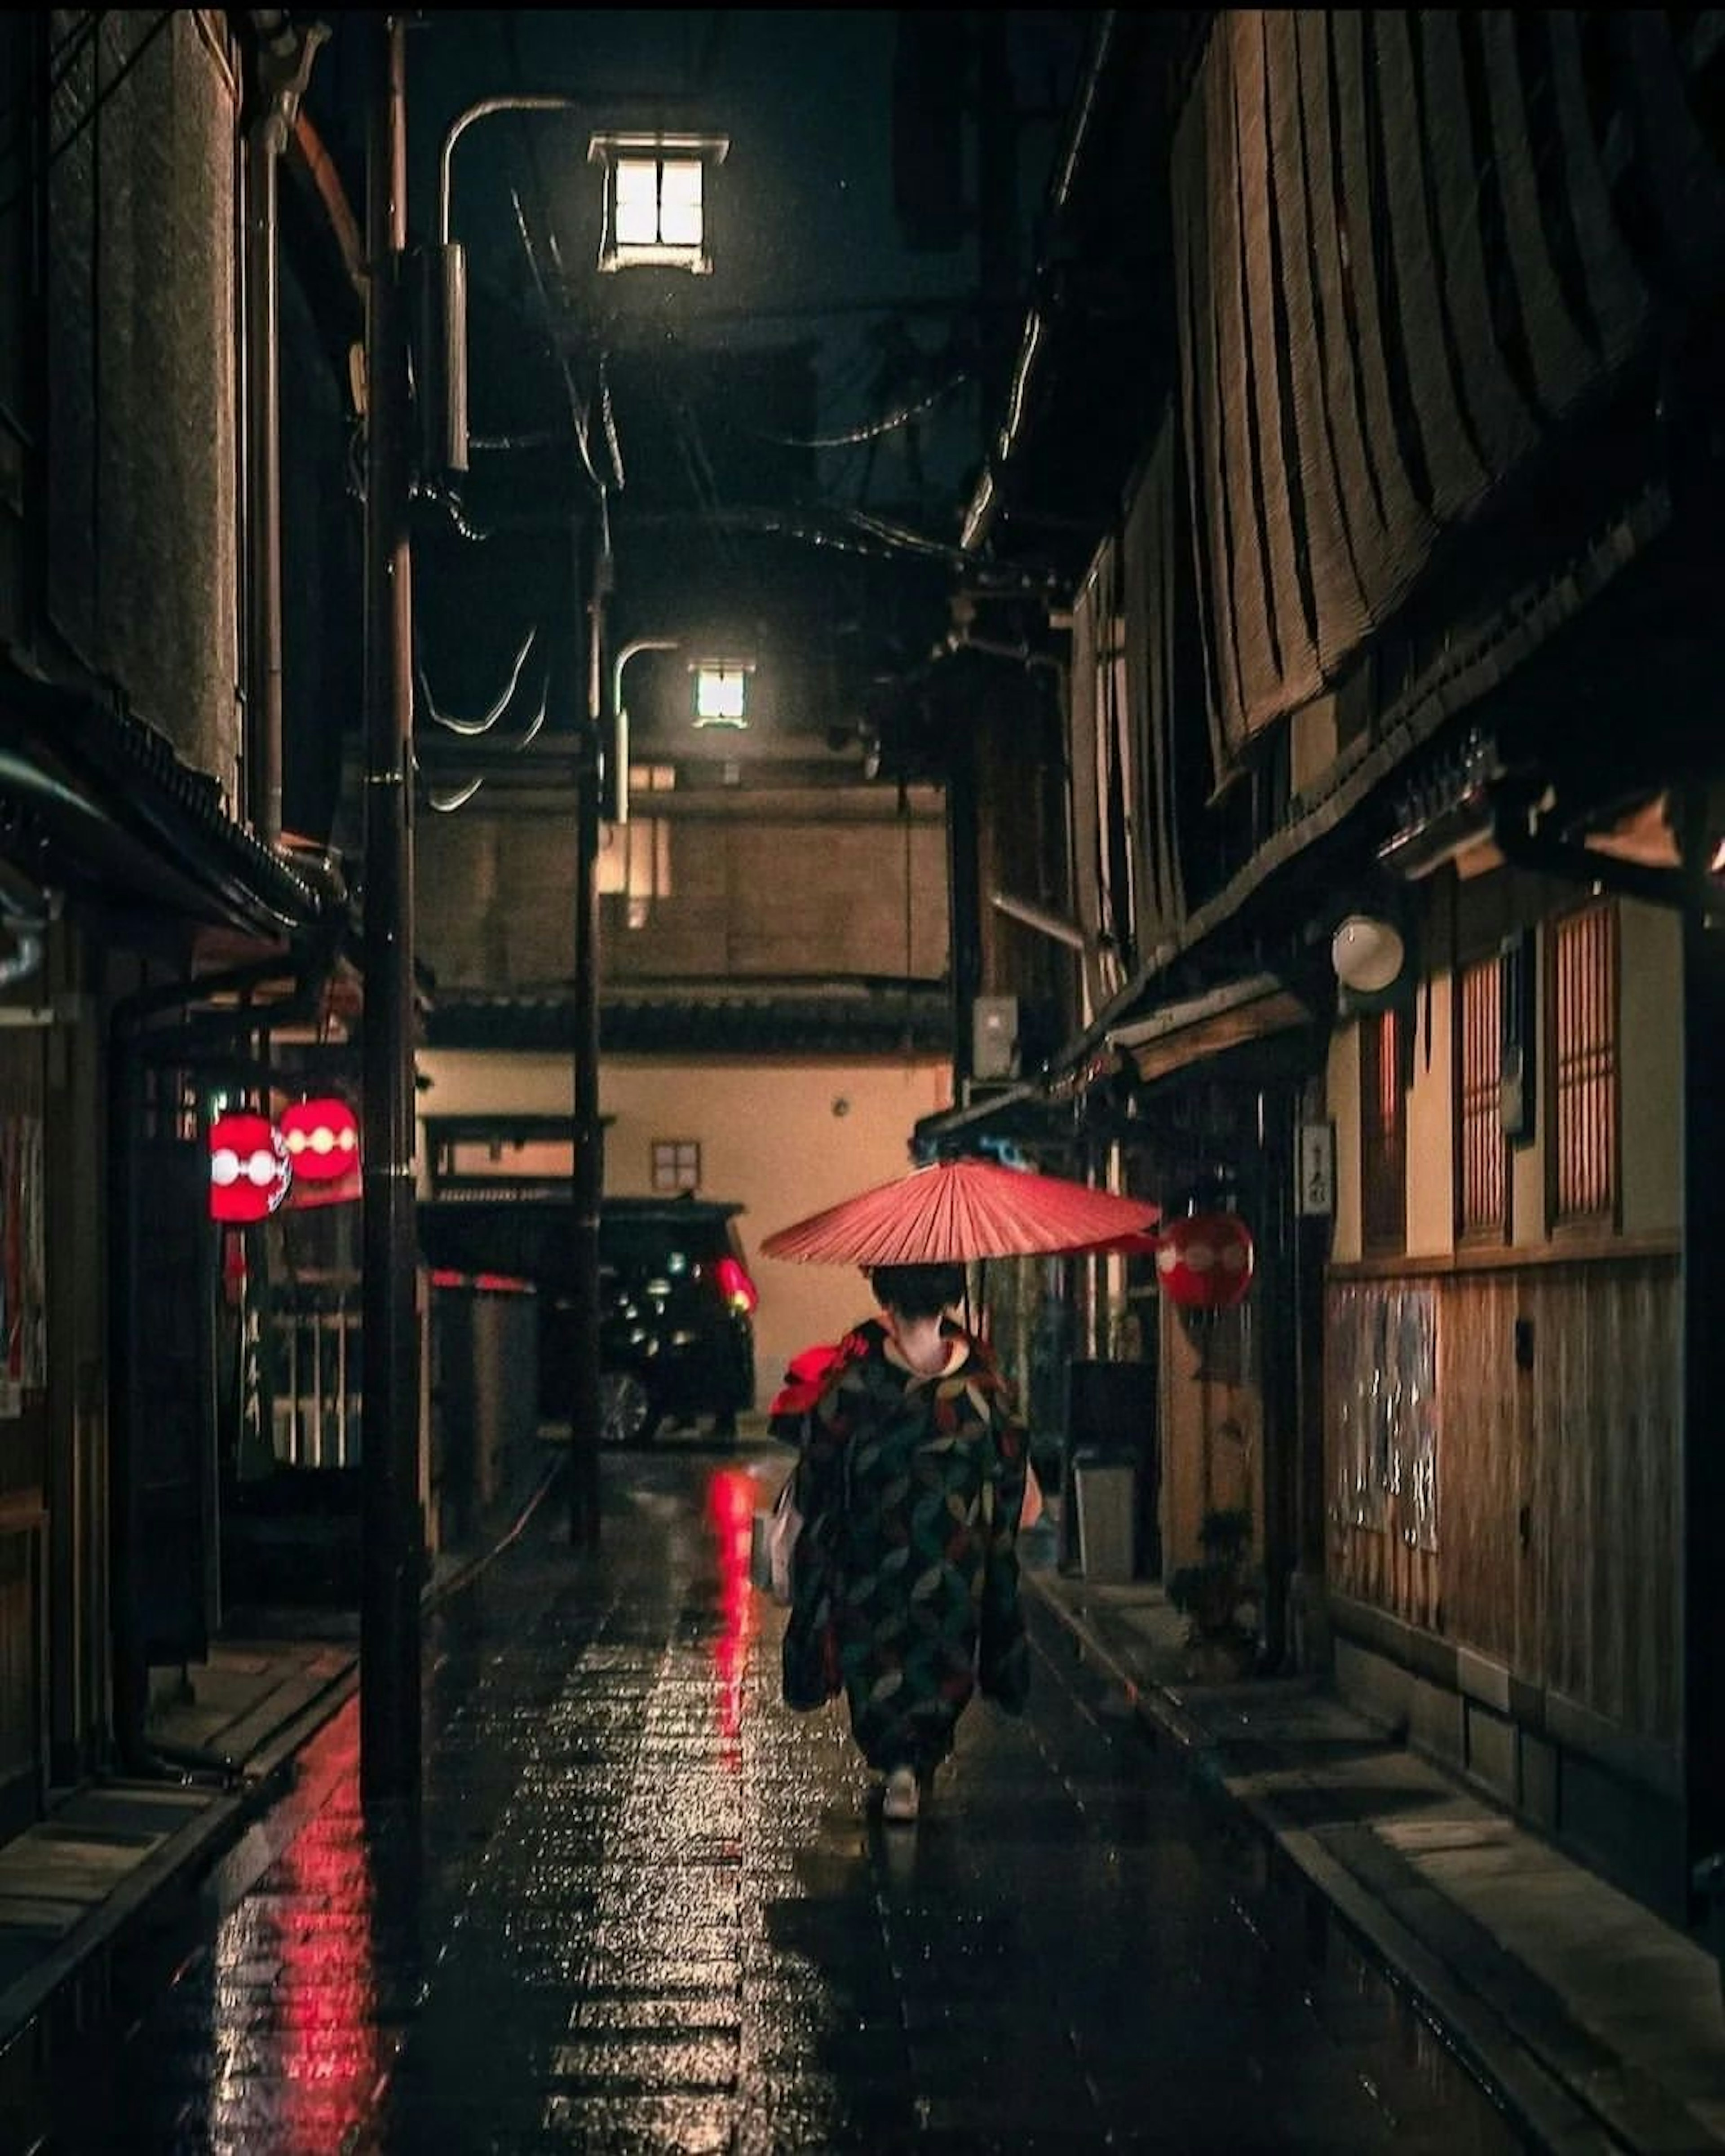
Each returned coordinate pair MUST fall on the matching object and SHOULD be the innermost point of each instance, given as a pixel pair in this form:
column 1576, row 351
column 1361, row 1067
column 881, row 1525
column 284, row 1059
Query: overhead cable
column 871, row 430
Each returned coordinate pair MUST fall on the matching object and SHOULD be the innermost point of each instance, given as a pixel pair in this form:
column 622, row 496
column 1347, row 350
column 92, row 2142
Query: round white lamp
column 1366, row 954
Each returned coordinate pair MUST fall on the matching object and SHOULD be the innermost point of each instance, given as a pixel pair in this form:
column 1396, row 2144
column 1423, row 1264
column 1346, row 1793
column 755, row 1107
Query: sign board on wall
column 1317, row 1170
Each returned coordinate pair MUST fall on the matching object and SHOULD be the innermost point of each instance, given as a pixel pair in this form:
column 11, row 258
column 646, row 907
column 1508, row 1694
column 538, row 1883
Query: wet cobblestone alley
column 648, row 1909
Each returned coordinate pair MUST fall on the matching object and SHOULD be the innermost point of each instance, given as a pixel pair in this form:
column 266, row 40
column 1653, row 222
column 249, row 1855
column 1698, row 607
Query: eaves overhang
column 735, row 1018
column 98, row 800
column 1194, row 1029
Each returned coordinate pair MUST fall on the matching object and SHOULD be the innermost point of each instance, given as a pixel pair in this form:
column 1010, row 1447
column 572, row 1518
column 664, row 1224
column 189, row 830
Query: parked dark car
column 676, row 1301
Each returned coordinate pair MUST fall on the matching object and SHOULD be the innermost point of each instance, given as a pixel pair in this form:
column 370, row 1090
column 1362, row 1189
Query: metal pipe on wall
column 282, row 66
column 390, row 1579
column 264, row 748
column 589, row 1165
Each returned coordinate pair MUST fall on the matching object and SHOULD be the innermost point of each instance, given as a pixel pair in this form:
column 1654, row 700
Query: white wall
column 774, row 1139
column 1431, row 1129
column 1342, row 1098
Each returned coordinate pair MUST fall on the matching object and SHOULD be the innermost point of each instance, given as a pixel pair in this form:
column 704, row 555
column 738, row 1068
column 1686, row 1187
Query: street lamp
column 614, row 794
column 654, row 218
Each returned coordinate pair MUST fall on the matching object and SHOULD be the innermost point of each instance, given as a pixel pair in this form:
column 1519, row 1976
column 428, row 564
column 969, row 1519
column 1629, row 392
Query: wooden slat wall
column 1609, row 1416
column 1588, row 1440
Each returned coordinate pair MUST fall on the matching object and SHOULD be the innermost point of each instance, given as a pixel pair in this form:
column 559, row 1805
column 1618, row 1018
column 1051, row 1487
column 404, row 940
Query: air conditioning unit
column 994, row 1037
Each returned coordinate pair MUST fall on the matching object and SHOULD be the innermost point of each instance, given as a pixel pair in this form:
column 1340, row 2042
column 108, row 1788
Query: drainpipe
column 282, row 67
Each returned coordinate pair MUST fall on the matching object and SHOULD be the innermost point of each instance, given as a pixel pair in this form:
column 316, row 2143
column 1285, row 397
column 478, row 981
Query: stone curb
column 194, row 1848
column 1540, row 2103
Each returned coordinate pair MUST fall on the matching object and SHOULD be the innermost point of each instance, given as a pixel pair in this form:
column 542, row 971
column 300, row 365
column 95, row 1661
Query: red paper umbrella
column 322, row 1139
column 956, row 1210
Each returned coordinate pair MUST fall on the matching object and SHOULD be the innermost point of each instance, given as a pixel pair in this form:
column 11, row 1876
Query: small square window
column 676, row 1164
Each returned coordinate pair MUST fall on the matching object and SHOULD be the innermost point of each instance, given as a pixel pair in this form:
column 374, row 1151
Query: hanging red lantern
column 249, row 1168
column 304, row 1196
column 1203, row 1261
column 322, row 1139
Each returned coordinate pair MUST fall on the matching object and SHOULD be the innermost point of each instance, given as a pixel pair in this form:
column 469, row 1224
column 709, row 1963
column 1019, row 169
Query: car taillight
column 738, row 1289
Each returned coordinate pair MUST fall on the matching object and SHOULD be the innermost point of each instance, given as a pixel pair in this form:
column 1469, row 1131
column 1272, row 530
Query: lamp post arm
column 522, row 101
column 619, row 789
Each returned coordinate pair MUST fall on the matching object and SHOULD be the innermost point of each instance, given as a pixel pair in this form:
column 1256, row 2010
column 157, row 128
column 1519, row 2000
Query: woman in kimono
column 904, row 1580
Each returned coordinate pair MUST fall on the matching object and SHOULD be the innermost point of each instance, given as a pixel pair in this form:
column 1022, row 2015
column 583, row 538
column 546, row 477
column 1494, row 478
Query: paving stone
column 649, row 1909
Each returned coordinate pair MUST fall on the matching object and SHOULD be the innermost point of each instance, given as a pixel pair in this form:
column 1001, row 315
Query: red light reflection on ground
column 314, row 1916
column 731, row 1502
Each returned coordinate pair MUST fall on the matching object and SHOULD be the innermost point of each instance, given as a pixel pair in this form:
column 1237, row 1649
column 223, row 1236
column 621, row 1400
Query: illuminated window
column 1583, row 954
column 676, row 1164
column 634, row 864
column 1384, row 1134
column 1482, row 1182
column 655, row 199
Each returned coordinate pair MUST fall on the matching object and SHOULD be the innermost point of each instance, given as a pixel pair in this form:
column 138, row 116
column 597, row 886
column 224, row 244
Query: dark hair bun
column 918, row 1291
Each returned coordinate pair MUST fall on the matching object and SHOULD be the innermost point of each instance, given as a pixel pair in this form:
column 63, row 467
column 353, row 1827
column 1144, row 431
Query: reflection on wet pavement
column 645, row 1908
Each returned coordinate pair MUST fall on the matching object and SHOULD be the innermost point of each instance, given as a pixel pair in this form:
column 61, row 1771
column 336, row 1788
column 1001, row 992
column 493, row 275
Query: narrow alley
column 650, row 1909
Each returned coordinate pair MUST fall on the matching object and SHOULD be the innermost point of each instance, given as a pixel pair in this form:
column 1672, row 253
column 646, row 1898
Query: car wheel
column 627, row 1415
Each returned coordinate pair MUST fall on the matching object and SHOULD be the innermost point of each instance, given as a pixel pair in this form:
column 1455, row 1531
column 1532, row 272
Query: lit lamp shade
column 322, row 1139
column 1204, row 1261
column 250, row 1171
column 1367, row 954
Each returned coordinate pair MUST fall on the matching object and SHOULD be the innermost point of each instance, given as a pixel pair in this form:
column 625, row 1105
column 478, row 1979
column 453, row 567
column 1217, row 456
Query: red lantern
column 1204, row 1261
column 322, row 1139
column 249, row 1168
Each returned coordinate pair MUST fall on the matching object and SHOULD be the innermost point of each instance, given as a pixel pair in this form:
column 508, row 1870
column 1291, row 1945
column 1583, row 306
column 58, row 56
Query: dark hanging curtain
column 1402, row 259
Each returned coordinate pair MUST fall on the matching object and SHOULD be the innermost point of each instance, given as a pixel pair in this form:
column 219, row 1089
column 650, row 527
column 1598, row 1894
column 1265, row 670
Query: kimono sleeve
column 809, row 1661
column 1003, row 1660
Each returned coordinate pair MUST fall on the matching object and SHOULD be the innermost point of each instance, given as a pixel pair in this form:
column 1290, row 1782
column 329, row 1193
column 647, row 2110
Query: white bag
column 772, row 1542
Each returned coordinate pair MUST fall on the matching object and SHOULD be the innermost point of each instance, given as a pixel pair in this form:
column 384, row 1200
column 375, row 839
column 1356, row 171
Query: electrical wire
column 446, row 804
column 578, row 403
column 471, row 727
column 901, row 536
column 871, row 430
column 608, row 419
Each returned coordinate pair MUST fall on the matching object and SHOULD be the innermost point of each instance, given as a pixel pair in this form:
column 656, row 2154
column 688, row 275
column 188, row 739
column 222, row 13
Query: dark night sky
column 802, row 209
column 807, row 249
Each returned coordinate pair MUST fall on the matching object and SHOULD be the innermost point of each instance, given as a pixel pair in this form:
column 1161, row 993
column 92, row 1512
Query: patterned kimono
column 905, row 1576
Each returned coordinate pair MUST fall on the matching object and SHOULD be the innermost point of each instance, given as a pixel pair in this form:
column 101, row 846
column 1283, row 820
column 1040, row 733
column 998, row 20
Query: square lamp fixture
column 655, row 199
column 721, row 691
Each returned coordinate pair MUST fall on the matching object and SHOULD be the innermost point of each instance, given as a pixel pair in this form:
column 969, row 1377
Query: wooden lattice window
column 1584, row 1064
column 676, row 1163
column 1384, row 1134
column 1482, row 1182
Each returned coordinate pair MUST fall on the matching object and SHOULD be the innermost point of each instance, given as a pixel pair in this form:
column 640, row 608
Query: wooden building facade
column 144, row 890
column 1394, row 609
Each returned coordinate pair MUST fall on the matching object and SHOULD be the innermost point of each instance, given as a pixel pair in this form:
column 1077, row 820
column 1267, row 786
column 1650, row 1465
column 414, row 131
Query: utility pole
column 589, row 1176
column 392, row 1532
